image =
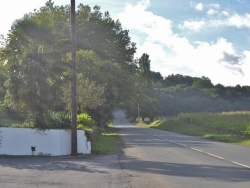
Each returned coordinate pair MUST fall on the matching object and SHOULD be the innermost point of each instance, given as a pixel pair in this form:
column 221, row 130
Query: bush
column 59, row 120
column 86, row 123
column 85, row 119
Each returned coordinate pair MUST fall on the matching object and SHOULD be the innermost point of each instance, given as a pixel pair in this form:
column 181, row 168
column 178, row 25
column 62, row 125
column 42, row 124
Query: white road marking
column 216, row 156
column 240, row 164
column 210, row 154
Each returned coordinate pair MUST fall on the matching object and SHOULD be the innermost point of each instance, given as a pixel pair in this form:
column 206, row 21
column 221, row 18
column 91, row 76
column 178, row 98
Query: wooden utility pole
column 138, row 108
column 73, row 82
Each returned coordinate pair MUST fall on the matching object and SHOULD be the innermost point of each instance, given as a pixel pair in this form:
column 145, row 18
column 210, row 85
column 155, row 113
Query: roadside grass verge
column 178, row 127
column 186, row 128
column 109, row 142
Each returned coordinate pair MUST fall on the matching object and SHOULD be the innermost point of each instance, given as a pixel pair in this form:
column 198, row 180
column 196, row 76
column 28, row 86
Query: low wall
column 23, row 141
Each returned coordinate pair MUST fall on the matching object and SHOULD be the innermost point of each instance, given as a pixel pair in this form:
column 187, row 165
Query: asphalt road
column 155, row 158
column 151, row 159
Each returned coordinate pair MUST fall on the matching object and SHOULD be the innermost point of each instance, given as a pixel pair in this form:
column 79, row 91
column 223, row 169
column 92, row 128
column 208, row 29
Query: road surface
column 155, row 158
column 151, row 159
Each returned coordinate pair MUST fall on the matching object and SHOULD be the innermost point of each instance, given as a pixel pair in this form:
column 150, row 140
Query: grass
column 109, row 142
column 178, row 127
column 228, row 138
column 197, row 129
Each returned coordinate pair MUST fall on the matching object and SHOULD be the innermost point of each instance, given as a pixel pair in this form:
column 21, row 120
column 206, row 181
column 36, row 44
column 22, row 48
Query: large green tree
column 35, row 67
column 144, row 98
column 36, row 53
column 144, row 71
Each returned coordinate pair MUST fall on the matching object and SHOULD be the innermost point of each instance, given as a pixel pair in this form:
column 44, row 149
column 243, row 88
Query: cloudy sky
column 208, row 38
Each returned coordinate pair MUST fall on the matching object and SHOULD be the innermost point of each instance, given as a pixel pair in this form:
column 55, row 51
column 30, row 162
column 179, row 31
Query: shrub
column 59, row 120
column 85, row 122
column 85, row 119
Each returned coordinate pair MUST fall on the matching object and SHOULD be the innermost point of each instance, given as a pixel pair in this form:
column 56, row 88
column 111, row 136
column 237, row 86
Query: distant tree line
column 179, row 93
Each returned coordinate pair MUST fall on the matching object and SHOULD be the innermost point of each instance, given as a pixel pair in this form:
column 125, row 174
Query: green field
column 231, row 127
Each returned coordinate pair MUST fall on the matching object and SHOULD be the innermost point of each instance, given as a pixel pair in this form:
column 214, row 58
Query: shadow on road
column 105, row 163
column 219, row 173
column 89, row 164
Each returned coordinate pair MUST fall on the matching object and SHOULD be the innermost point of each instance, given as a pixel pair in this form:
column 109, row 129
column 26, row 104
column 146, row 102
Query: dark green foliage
column 7, row 120
column 33, row 65
column 144, row 97
column 117, row 83
column 203, row 83
column 156, row 77
column 49, row 120
column 144, row 72
column 192, row 94
column 3, row 107
column 178, row 79
column 148, row 107
column 104, row 35
column 59, row 120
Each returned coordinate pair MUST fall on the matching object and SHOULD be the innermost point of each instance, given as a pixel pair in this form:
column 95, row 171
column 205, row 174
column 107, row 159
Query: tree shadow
column 218, row 173
column 105, row 164
column 63, row 163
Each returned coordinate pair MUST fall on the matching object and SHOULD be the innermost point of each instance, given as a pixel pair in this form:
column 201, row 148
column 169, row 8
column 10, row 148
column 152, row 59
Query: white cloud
column 212, row 12
column 235, row 20
column 134, row 19
column 216, row 6
column 225, row 13
column 204, row 60
column 245, row 67
column 220, row 19
column 193, row 25
column 138, row 19
column 239, row 21
column 199, row 6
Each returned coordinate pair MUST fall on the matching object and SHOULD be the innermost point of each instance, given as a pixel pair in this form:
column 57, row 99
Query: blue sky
column 197, row 38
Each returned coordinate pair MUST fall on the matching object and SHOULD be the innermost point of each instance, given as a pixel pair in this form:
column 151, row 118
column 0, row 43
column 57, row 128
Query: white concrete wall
column 18, row 141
